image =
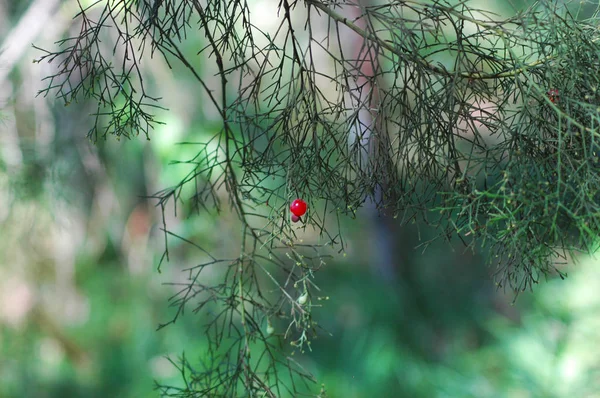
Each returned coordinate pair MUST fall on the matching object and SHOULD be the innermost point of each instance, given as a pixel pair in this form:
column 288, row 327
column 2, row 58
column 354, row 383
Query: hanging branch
column 486, row 128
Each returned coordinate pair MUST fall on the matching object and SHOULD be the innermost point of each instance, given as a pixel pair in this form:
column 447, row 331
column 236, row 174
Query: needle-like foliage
column 482, row 126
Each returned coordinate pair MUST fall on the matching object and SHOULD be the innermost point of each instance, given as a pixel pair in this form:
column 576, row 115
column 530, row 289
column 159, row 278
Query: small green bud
column 303, row 299
column 270, row 329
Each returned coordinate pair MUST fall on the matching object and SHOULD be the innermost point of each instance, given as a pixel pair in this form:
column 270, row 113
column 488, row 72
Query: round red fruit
column 295, row 218
column 553, row 95
column 298, row 207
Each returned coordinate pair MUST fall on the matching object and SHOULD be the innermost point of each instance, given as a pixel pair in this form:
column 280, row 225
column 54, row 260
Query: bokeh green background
column 81, row 296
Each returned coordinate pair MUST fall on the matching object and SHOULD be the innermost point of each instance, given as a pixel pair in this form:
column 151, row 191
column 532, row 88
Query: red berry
column 298, row 207
column 295, row 218
column 553, row 95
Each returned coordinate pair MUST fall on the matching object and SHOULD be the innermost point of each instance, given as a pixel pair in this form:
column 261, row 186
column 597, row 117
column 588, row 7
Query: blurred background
column 81, row 295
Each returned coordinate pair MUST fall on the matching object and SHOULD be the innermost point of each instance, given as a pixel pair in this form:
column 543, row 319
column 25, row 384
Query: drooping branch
column 407, row 54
